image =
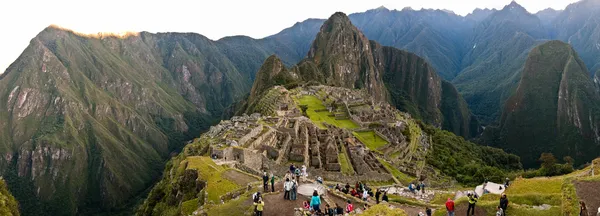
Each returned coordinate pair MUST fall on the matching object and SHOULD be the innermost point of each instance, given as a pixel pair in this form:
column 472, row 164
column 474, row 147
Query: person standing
column 365, row 195
column 582, row 209
column 304, row 172
column 265, row 182
column 329, row 211
column 287, row 186
column 377, row 195
column 450, row 207
column 315, row 201
column 427, row 211
column 385, row 197
column 292, row 168
column 503, row 204
column 297, row 173
column 294, row 190
column 472, row 202
column 422, row 187
column 272, row 182
column 259, row 206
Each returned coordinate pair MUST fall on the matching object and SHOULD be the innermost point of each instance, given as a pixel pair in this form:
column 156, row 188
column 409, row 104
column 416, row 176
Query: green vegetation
column 188, row 207
column 403, row 178
column 384, row 210
column 314, row 105
column 208, row 170
column 406, row 200
column 469, row 163
column 570, row 202
column 345, row 164
column 8, row 204
column 370, row 139
column 549, row 167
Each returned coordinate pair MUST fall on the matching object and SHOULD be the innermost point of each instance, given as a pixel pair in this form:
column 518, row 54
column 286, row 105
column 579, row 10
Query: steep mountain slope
column 497, row 52
column 479, row 14
column 556, row 107
column 342, row 56
column 579, row 25
column 79, row 112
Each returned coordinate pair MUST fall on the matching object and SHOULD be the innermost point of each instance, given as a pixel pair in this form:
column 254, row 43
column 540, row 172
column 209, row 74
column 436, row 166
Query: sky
column 22, row 20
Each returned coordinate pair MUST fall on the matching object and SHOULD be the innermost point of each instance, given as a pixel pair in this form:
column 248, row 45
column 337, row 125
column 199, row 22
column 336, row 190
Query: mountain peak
column 514, row 6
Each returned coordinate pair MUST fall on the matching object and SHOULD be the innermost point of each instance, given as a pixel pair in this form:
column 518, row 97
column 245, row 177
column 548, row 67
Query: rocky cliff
column 342, row 56
column 556, row 107
column 79, row 112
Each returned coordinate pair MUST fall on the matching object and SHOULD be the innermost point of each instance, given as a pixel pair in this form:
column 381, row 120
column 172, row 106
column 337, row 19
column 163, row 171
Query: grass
column 406, row 200
column 403, row 178
column 211, row 172
column 570, row 201
column 384, row 210
column 233, row 207
column 345, row 164
column 318, row 118
column 440, row 198
column 188, row 207
column 370, row 139
column 535, row 186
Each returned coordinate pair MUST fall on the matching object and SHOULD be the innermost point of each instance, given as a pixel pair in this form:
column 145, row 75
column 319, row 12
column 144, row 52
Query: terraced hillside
column 336, row 132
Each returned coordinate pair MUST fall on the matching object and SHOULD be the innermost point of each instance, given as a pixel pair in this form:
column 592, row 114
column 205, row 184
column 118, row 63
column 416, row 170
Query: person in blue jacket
column 315, row 201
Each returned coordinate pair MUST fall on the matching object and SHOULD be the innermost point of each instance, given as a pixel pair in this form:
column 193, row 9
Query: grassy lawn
column 406, row 200
column 370, row 139
column 209, row 171
column 238, row 206
column 384, row 210
column 188, row 207
column 403, row 178
column 313, row 104
column 345, row 164
column 535, row 186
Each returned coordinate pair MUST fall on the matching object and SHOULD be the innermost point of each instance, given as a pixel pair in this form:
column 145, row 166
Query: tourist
column 259, row 207
column 472, row 202
column 347, row 188
column 265, row 182
column 582, row 209
column 292, row 168
column 329, row 211
column 385, row 197
column 315, row 201
column 423, row 187
column 338, row 210
column 428, row 211
column 255, row 196
column 499, row 211
column 411, row 187
column 294, row 190
column 320, row 180
column 306, row 205
column 353, row 192
column 272, row 182
column 287, row 186
column 297, row 173
column 365, row 195
column 450, row 207
column 349, row 207
column 503, row 203
column 506, row 183
column 377, row 195
column 418, row 188
column 304, row 172
column 338, row 187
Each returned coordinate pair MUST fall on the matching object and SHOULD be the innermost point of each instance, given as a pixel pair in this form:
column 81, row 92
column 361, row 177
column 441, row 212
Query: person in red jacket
column 450, row 207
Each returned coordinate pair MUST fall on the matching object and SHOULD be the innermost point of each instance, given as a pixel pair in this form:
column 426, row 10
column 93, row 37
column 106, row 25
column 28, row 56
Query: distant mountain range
column 79, row 112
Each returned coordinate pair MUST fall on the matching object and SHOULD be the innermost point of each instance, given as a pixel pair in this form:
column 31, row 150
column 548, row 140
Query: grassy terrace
column 217, row 185
column 403, row 178
column 318, row 118
column 370, row 139
column 345, row 164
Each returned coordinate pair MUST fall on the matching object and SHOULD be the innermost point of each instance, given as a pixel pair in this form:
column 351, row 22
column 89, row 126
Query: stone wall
column 339, row 177
column 254, row 132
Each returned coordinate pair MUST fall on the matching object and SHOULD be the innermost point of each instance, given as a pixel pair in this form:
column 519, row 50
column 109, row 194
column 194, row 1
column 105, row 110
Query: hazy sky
column 21, row 20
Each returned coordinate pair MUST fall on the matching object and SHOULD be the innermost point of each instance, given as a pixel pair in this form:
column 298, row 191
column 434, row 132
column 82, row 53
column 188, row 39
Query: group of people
column 417, row 187
column 328, row 211
column 266, row 182
column 290, row 189
column 297, row 172
column 259, row 204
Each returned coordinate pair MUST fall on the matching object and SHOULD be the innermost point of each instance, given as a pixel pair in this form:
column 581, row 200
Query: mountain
column 547, row 16
column 578, row 25
column 497, row 51
column 479, row 14
column 556, row 107
column 79, row 112
column 342, row 56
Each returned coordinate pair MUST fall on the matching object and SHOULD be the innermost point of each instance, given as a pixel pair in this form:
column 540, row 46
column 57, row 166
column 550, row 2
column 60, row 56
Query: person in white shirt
column 304, row 173
column 287, row 186
column 365, row 195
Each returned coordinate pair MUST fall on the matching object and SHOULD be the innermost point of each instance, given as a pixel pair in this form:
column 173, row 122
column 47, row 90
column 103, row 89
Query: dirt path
column 275, row 205
column 589, row 192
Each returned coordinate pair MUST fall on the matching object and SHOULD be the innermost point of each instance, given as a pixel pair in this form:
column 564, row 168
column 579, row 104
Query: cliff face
column 78, row 113
column 555, row 109
column 342, row 56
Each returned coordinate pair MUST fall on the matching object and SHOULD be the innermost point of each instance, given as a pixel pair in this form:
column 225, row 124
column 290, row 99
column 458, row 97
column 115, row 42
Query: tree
column 304, row 108
column 569, row 160
column 548, row 160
